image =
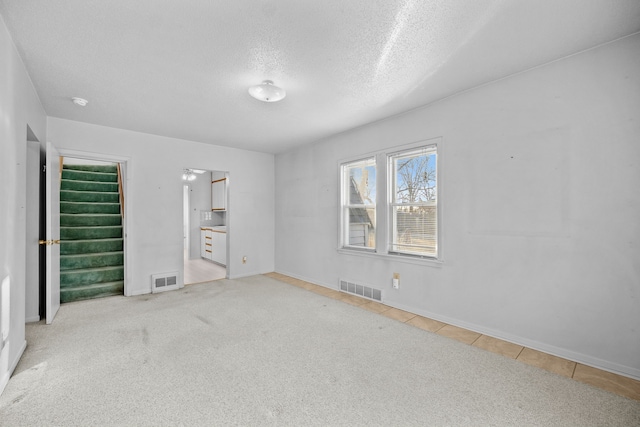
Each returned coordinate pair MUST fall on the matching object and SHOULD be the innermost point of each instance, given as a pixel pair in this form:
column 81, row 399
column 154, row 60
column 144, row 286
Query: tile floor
column 618, row 384
column 200, row 270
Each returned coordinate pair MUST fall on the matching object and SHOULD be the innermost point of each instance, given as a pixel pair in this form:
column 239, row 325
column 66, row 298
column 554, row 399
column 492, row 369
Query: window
column 413, row 202
column 403, row 223
column 359, row 203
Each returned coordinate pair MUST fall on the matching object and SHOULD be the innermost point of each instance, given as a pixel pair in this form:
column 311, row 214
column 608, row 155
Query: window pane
column 415, row 177
column 359, row 196
column 362, row 182
column 362, row 227
column 415, row 230
column 414, row 222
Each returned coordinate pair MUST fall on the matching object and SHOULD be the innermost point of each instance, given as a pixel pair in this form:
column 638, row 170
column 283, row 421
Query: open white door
column 52, row 241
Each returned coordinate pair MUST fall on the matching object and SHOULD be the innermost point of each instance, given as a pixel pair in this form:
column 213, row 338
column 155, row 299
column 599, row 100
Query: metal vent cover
column 361, row 290
column 164, row 282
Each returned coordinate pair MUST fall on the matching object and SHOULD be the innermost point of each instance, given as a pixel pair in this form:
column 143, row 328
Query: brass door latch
column 49, row 242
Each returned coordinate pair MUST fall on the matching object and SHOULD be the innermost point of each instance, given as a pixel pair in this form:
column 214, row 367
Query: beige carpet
column 256, row 351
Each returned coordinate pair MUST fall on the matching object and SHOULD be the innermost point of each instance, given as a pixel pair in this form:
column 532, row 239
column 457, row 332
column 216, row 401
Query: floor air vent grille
column 164, row 282
column 361, row 290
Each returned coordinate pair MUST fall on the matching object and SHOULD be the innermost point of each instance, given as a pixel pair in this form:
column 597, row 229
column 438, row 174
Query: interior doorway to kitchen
column 205, row 213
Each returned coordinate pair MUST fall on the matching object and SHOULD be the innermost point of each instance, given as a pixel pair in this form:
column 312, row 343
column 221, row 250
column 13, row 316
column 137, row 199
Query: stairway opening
column 91, row 230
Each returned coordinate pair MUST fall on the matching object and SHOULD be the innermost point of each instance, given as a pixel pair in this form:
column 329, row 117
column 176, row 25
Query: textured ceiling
column 182, row 68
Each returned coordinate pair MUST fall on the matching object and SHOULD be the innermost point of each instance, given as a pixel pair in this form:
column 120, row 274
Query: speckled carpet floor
column 259, row 352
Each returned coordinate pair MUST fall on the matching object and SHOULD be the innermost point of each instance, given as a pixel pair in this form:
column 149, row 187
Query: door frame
column 186, row 223
column 53, row 174
column 126, row 168
column 208, row 170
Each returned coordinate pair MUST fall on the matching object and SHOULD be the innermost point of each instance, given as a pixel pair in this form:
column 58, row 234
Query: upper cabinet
column 219, row 194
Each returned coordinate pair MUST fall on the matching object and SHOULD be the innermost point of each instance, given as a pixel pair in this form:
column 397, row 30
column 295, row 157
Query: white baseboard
column 32, row 319
column 306, row 279
column 584, row 359
column 139, row 292
column 7, row 375
column 573, row 356
column 240, row 276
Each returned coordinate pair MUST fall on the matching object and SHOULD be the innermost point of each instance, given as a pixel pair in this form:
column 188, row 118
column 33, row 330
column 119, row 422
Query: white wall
column 154, row 197
column 19, row 108
column 541, row 208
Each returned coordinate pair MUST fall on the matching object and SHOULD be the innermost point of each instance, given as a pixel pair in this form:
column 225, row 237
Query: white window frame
column 346, row 205
column 384, row 206
column 392, row 203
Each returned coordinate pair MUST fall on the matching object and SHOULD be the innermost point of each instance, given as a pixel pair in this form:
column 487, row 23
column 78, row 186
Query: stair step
column 83, row 261
column 89, row 276
column 96, row 290
column 91, row 250
column 72, row 247
column 109, row 187
column 83, row 207
column 93, row 168
column 77, row 175
column 85, row 233
column 71, row 220
column 89, row 196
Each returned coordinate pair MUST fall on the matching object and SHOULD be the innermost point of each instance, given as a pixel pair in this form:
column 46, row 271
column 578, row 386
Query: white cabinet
column 219, row 247
column 219, row 195
column 213, row 245
column 206, row 243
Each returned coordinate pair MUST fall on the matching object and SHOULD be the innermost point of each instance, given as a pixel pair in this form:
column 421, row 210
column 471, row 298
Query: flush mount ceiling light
column 188, row 175
column 267, row 92
column 80, row 101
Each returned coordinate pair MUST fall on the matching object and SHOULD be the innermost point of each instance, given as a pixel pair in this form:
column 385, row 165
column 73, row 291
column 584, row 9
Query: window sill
column 398, row 258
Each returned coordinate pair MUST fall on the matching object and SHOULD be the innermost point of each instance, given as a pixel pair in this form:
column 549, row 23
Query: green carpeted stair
column 91, row 255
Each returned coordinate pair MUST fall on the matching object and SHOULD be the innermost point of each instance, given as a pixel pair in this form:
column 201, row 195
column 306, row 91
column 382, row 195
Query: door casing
column 127, row 174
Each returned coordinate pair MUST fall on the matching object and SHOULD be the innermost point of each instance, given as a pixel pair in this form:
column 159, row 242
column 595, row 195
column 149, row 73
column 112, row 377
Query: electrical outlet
column 244, row 259
column 396, row 281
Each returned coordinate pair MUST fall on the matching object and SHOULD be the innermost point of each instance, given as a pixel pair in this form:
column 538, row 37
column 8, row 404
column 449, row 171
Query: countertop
column 216, row 228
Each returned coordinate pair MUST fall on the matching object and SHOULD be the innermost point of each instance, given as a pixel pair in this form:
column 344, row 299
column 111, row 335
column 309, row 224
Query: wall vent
column 361, row 290
column 164, row 282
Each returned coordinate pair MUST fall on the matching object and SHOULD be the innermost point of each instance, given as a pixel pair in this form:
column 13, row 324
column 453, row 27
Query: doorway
column 204, row 225
column 91, row 229
column 36, row 288
column 123, row 164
